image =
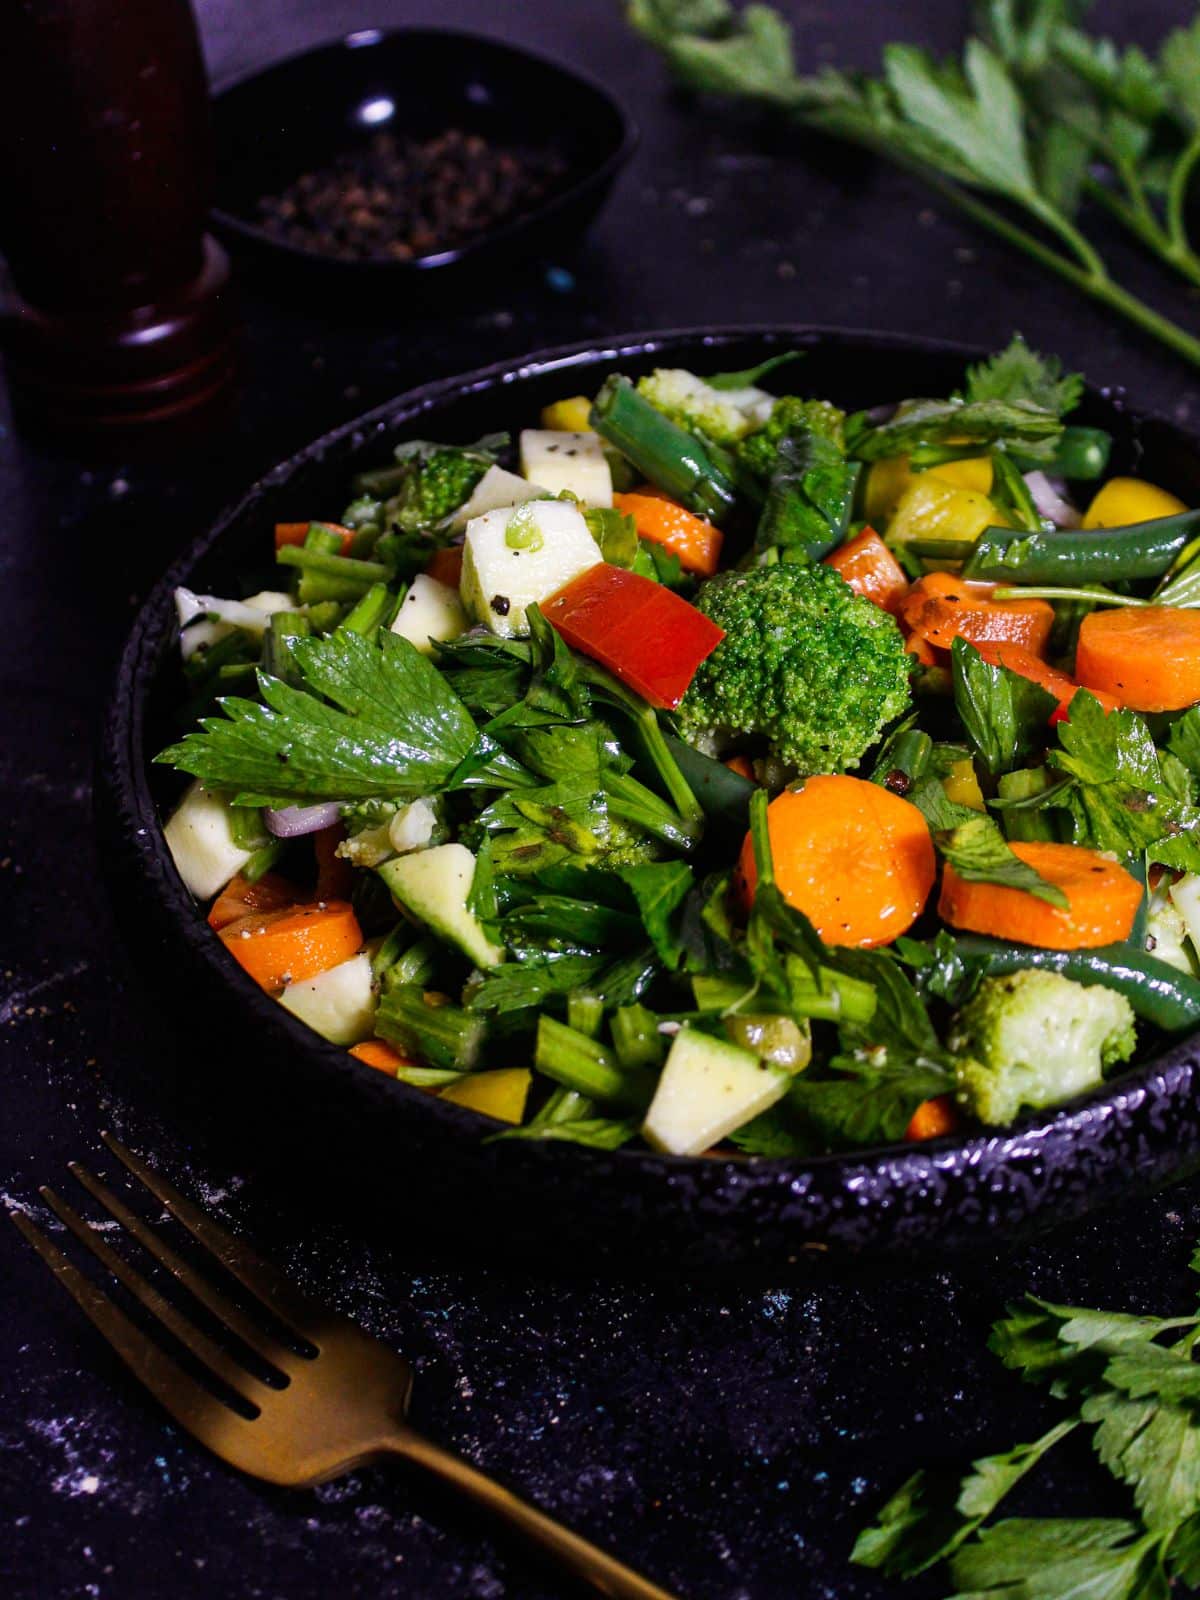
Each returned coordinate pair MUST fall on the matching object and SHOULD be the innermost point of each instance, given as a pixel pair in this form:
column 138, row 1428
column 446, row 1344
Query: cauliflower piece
column 723, row 415
column 809, row 673
column 1034, row 1038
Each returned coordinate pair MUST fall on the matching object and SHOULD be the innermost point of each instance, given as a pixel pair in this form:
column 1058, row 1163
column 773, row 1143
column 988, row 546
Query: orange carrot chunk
column 854, row 857
column 446, row 565
column 297, row 532
column 870, row 569
column 922, row 649
column 238, row 898
column 378, row 1054
column 741, row 765
column 1146, row 657
column 1023, row 662
column 278, row 947
column 932, row 1119
column 942, row 608
column 664, row 521
column 1102, row 900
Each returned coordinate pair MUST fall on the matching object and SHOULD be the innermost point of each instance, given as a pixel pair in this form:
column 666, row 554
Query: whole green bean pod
column 1074, row 557
column 1158, row 993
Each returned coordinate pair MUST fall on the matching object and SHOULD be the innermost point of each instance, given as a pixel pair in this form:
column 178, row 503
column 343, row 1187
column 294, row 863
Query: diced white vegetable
column 434, row 886
column 412, row 826
column 338, row 1004
column 253, row 615
column 499, row 581
column 707, row 1089
column 495, row 489
column 430, row 610
column 571, row 461
column 1185, row 896
column 199, row 836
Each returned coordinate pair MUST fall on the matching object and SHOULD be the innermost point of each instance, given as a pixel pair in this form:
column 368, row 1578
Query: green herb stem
column 1100, row 597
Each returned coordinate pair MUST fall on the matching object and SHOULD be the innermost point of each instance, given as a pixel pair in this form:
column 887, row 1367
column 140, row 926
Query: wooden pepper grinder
column 121, row 317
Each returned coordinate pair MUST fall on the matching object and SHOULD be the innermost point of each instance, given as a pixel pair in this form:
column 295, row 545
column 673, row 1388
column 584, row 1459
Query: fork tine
column 270, row 1350
column 216, row 1360
column 304, row 1316
column 192, row 1406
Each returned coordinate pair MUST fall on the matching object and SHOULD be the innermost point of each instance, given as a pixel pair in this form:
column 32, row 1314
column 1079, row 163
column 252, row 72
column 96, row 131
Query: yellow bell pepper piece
column 962, row 786
column 569, row 416
column 931, row 508
column 888, row 479
column 500, row 1094
column 1126, row 500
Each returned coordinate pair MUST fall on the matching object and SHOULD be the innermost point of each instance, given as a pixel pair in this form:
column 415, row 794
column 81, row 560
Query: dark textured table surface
column 728, row 1440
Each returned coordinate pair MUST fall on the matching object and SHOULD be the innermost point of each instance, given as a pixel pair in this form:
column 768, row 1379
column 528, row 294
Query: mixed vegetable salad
column 734, row 771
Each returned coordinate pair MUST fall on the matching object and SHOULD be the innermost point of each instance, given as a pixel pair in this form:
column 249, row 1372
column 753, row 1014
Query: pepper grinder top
column 121, row 318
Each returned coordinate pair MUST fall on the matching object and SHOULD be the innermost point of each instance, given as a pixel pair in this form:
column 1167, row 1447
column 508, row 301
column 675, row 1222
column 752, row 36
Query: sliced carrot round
column 239, row 898
column 1023, row 662
column 279, row 947
column 932, row 1119
column 942, row 608
column 1102, row 900
column 854, row 857
column 377, row 1053
column 664, row 521
column 1146, row 657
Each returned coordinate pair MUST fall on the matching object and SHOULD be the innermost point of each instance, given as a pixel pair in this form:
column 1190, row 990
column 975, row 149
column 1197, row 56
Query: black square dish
column 298, row 115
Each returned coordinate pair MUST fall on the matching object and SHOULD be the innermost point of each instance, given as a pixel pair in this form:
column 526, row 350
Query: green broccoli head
column 723, row 415
column 433, row 488
column 791, row 414
column 1034, row 1038
column 807, row 668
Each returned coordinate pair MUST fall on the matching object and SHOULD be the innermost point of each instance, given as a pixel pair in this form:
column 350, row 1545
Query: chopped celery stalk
column 373, row 611
column 561, row 1105
column 263, row 859
column 415, row 966
column 277, row 658
column 585, row 1012
column 441, row 1035
column 580, row 1063
column 636, row 1038
column 830, row 996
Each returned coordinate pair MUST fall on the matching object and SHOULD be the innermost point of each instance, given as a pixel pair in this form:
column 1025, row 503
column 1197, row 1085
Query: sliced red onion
column 1049, row 496
column 290, row 822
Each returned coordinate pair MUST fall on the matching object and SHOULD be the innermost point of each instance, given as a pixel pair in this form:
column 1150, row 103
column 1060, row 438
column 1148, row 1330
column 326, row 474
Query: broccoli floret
column 433, row 488
column 1034, row 1038
column 807, row 668
column 723, row 415
column 791, row 414
column 1166, row 930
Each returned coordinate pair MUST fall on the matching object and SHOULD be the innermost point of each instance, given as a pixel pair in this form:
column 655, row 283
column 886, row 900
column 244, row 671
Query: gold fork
column 335, row 1397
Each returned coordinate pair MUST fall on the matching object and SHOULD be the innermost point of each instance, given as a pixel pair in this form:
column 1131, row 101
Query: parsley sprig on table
column 1134, row 1382
column 1036, row 120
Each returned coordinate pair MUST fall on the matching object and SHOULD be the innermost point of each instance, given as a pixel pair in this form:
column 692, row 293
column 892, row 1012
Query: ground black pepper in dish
column 397, row 199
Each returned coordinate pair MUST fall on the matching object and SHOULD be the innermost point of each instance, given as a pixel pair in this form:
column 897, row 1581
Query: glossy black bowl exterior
column 547, row 1202
column 296, row 115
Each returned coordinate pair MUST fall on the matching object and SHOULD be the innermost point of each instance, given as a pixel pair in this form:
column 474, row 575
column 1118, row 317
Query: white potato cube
column 429, row 611
column 496, row 488
column 501, row 578
column 199, row 835
column 707, row 1089
column 571, row 461
column 338, row 1004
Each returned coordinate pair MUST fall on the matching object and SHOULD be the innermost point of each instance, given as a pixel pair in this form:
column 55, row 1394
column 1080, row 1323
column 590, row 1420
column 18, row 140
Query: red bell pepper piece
column 645, row 634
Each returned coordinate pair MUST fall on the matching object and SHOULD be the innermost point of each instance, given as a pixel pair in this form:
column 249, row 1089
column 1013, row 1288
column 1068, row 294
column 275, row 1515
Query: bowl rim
column 1168, row 1076
column 595, row 176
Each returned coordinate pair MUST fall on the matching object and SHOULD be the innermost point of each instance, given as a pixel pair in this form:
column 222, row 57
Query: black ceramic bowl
column 545, row 1201
column 296, row 115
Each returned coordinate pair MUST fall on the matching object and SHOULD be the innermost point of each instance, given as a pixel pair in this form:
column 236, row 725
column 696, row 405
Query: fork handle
column 591, row 1565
